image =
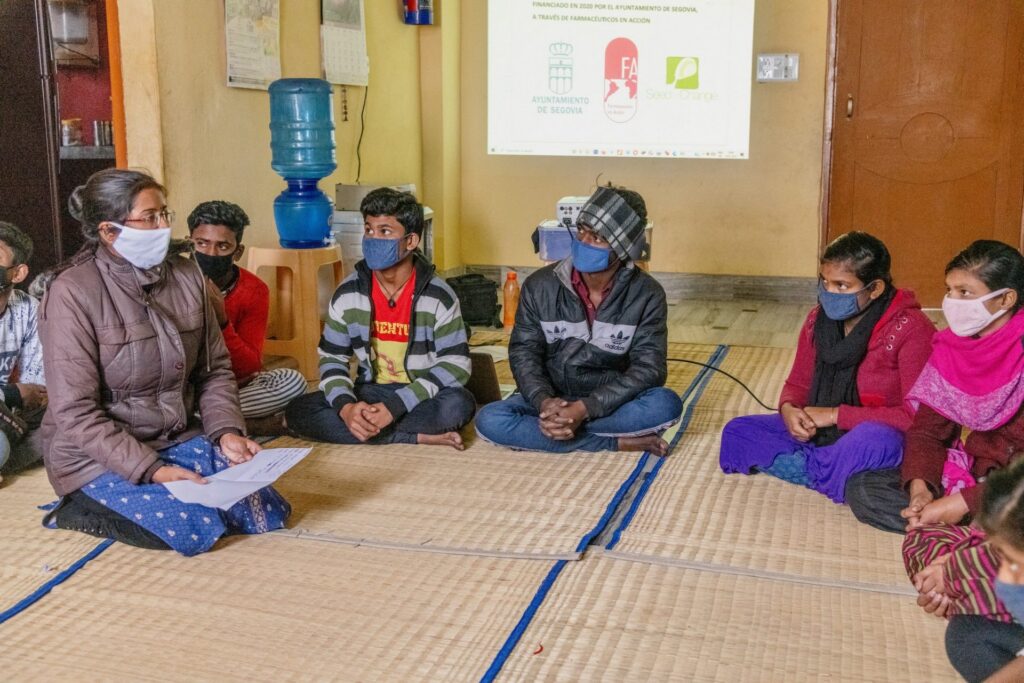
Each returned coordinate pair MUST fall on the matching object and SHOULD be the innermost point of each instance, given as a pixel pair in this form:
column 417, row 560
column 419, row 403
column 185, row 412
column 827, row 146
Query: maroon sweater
column 897, row 351
column 931, row 434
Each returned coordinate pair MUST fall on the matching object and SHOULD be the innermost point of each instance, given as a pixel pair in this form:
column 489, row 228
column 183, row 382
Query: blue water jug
column 302, row 144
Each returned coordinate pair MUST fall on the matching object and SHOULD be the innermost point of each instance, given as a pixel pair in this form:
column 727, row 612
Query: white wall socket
column 774, row 68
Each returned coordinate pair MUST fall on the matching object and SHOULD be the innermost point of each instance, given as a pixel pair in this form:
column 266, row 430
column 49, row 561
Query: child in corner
column 21, row 357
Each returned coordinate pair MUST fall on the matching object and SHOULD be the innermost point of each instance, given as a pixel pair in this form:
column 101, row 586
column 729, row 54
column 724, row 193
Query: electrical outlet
column 775, row 68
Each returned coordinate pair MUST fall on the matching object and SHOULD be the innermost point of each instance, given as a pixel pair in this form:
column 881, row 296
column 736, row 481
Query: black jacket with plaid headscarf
column 555, row 352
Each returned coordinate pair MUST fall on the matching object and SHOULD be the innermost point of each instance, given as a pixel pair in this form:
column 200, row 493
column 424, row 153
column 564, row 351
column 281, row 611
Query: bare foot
column 652, row 443
column 453, row 439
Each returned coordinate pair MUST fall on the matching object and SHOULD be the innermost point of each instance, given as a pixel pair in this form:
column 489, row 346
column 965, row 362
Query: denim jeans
column 311, row 417
column 514, row 423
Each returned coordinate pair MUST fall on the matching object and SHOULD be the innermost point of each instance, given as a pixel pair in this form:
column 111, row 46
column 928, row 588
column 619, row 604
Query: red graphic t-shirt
column 389, row 332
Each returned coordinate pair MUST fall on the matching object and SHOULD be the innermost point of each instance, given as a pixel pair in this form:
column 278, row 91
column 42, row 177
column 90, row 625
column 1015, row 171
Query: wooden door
column 28, row 128
column 927, row 129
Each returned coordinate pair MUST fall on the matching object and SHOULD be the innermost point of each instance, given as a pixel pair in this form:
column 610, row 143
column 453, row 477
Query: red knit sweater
column 897, row 351
column 247, row 307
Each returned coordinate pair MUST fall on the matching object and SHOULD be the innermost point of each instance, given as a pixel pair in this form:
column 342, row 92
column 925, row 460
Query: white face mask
column 142, row 248
column 968, row 317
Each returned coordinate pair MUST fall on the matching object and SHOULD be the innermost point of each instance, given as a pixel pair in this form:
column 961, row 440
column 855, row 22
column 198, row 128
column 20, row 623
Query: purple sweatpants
column 755, row 440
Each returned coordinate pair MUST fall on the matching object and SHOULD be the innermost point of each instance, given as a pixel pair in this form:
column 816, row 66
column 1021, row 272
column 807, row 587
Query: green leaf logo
column 683, row 72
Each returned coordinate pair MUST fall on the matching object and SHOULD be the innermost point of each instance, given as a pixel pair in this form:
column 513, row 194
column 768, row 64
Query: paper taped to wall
column 343, row 42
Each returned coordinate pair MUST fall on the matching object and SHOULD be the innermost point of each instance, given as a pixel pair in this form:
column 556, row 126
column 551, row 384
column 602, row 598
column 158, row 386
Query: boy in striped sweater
column 404, row 325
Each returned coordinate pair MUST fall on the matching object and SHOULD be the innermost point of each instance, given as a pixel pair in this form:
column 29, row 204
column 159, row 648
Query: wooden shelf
column 87, row 152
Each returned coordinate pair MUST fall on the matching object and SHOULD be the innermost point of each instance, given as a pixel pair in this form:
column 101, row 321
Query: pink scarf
column 977, row 383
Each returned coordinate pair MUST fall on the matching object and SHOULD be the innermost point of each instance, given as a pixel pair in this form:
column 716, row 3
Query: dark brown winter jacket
column 131, row 356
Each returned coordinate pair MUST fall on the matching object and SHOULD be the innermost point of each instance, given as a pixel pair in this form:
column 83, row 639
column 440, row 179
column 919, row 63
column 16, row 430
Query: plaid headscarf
column 608, row 214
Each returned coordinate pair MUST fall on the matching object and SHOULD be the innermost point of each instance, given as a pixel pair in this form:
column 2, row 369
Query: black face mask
column 5, row 282
column 214, row 267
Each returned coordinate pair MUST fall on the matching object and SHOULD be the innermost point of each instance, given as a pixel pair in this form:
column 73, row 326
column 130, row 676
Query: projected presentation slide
column 645, row 79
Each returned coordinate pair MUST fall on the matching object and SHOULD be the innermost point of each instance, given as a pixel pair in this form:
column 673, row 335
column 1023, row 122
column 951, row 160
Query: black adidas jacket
column 555, row 352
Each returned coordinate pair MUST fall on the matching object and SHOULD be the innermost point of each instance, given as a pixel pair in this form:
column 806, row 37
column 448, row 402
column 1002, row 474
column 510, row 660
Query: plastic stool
column 298, row 313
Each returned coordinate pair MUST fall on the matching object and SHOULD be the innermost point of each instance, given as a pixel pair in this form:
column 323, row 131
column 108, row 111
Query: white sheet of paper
column 229, row 486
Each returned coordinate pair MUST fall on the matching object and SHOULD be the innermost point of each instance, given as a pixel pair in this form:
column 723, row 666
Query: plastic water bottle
column 510, row 300
column 302, row 143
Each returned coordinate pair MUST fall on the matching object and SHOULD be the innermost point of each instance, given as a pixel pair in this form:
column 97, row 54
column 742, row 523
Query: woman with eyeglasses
column 842, row 410
column 133, row 355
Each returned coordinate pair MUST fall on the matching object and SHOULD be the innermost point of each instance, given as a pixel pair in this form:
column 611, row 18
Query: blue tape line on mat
column 524, row 622
column 701, row 381
column 696, row 385
column 614, row 504
column 642, row 462
column 40, row 592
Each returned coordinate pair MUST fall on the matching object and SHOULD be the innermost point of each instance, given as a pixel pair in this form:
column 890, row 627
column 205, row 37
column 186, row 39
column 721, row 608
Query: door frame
column 117, row 117
column 829, row 120
column 831, row 65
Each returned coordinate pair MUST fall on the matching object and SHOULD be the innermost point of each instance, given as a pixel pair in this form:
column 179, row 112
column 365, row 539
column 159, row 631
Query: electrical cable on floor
column 733, row 378
column 362, row 129
column 703, row 365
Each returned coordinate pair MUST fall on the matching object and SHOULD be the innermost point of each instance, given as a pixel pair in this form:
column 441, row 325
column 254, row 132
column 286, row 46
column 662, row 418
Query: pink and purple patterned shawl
column 977, row 383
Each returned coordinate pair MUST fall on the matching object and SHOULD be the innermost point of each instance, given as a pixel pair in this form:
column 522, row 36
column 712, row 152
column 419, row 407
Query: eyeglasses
column 153, row 220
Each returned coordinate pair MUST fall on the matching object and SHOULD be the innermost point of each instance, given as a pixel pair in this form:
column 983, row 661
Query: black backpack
column 478, row 298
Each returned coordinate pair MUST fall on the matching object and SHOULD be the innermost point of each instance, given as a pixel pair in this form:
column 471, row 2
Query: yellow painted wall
column 216, row 140
column 426, row 123
column 753, row 217
column 141, row 86
column 440, row 86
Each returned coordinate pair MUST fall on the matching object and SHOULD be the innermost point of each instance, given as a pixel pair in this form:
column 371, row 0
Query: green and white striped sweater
column 438, row 350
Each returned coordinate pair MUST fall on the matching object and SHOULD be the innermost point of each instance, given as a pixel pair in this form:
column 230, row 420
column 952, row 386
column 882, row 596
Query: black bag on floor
column 478, row 298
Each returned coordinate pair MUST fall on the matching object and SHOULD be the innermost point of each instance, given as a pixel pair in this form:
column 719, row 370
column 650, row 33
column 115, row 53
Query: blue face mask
column 1012, row 596
column 380, row 253
column 838, row 306
column 589, row 259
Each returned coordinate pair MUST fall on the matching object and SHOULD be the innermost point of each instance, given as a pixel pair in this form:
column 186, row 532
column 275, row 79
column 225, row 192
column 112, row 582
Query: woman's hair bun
column 75, row 203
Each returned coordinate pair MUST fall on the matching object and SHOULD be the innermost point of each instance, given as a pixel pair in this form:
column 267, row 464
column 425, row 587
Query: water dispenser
column 302, row 143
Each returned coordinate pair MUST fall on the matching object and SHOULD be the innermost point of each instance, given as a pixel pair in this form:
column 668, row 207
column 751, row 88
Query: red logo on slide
column 620, row 80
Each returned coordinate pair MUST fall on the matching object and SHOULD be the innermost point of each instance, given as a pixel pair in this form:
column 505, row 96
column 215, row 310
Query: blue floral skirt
column 187, row 527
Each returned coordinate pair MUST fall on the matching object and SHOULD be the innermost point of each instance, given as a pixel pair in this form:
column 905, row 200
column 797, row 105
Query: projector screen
column 668, row 78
